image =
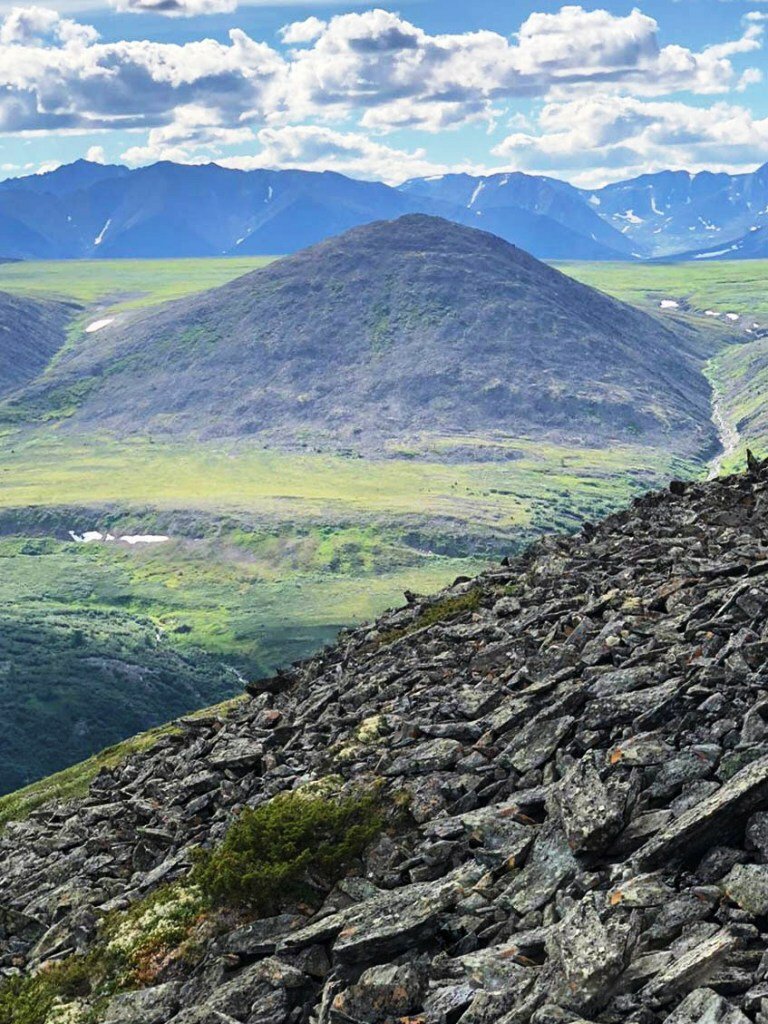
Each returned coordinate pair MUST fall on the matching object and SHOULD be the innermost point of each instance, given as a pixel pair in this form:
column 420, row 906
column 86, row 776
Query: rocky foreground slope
column 577, row 745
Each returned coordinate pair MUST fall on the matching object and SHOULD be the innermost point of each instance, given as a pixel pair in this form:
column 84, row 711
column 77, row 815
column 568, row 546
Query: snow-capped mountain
column 675, row 212
column 170, row 210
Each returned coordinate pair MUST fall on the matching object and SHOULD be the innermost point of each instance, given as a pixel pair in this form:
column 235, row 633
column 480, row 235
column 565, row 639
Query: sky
column 590, row 93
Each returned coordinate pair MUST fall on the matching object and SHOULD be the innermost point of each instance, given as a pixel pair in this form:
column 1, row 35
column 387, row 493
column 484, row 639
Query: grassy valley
column 737, row 286
column 269, row 552
column 269, row 555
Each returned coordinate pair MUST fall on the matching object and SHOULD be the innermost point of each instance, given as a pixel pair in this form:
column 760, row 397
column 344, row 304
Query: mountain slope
column 31, row 332
column 540, row 796
column 493, row 203
column 390, row 331
column 171, row 210
column 752, row 246
column 674, row 211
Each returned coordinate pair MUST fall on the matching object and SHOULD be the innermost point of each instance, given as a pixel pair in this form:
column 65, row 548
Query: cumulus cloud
column 310, row 98
column 96, row 155
column 192, row 137
column 134, row 84
column 175, row 8
column 299, row 32
column 313, row 148
column 40, row 26
column 625, row 136
column 55, row 73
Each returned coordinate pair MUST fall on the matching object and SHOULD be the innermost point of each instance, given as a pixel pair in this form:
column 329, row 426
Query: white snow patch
column 654, row 207
column 145, row 539
column 669, row 304
column 97, row 325
column 91, row 536
column 270, row 193
column 712, row 255
column 100, row 237
column 711, row 312
column 595, row 200
column 476, row 195
column 732, row 316
column 629, row 216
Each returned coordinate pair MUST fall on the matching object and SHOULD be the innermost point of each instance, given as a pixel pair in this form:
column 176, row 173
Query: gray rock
column 380, row 994
column 747, row 886
column 706, row 1007
column 148, row 1006
column 718, row 815
column 592, row 813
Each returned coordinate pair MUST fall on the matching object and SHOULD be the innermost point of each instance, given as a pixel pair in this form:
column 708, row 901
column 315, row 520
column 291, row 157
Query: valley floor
column 268, row 554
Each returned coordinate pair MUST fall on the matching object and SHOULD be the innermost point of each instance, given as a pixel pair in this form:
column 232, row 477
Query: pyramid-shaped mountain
column 392, row 331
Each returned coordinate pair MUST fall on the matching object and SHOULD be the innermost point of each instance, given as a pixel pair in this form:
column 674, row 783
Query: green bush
column 269, row 854
column 442, row 610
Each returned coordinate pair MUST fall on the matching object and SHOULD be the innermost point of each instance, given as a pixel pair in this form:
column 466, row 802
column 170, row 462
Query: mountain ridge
column 86, row 210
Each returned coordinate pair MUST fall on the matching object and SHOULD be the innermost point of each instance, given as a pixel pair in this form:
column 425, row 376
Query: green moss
column 133, row 949
column 443, row 610
column 145, row 940
column 269, row 852
column 72, row 991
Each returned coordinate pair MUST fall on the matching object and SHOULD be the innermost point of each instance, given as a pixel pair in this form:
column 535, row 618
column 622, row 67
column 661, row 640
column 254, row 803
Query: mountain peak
column 413, row 325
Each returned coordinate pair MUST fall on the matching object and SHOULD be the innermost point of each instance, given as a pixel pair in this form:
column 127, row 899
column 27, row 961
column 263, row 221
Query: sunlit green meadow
column 737, row 286
column 123, row 284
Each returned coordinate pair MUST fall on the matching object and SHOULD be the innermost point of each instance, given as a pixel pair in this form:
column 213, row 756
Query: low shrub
column 442, row 610
column 288, row 849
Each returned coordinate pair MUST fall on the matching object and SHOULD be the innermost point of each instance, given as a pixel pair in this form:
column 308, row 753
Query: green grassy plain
column 44, row 469
column 122, row 284
column 739, row 371
column 737, row 286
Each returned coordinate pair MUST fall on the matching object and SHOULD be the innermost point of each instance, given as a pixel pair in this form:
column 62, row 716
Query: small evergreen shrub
column 269, row 853
column 442, row 610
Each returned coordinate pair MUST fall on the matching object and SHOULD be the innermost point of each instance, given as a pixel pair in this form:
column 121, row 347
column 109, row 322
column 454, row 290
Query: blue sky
column 586, row 92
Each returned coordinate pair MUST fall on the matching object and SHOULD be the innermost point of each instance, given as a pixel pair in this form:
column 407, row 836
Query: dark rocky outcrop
column 582, row 738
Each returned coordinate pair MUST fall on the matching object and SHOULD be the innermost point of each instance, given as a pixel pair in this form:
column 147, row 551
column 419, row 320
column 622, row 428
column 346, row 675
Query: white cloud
column 597, row 139
column 96, row 155
column 300, row 32
column 176, row 8
column 374, row 72
column 313, row 148
column 40, row 26
column 192, row 138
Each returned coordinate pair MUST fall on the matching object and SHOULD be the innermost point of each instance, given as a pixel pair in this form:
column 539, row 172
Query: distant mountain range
column 172, row 210
column 391, row 331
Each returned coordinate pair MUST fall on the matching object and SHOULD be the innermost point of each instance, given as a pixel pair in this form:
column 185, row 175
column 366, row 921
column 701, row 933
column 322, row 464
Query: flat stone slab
column 712, row 821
